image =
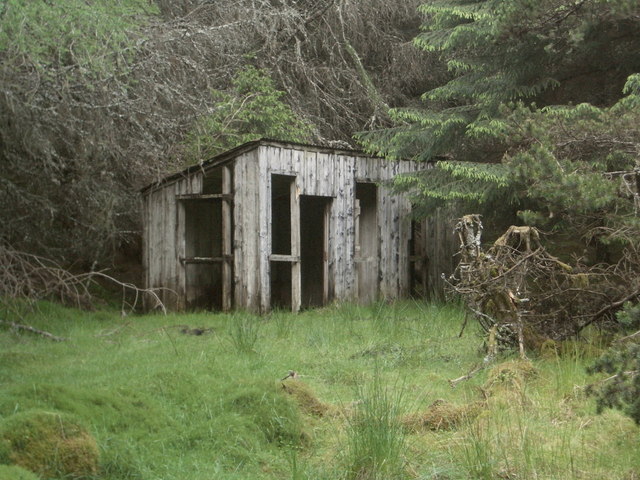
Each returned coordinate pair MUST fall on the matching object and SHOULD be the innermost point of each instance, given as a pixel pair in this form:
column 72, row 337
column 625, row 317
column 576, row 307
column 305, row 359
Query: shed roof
column 246, row 147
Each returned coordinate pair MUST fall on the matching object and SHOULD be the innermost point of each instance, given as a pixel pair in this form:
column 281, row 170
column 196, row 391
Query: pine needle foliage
column 251, row 109
column 92, row 36
column 503, row 56
column 541, row 116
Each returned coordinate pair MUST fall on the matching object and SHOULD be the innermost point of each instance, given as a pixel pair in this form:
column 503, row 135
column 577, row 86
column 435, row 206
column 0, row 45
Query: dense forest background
column 100, row 98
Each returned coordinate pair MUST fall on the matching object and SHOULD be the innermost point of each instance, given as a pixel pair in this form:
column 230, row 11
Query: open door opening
column 367, row 242
column 208, row 239
column 203, row 252
column 314, row 244
column 282, row 260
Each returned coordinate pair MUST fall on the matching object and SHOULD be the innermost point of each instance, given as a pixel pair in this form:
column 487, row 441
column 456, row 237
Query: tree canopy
column 101, row 97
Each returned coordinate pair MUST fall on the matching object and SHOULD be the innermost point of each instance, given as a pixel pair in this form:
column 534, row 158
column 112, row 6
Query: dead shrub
column 441, row 415
column 522, row 295
column 510, row 375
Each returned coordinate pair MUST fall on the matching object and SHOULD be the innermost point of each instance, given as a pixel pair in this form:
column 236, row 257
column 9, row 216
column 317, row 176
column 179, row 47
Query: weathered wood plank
column 263, row 221
column 224, row 259
column 284, row 258
column 296, row 278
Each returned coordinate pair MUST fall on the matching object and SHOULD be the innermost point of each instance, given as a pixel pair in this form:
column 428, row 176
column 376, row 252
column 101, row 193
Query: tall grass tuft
column 376, row 439
column 283, row 321
column 244, row 331
column 477, row 456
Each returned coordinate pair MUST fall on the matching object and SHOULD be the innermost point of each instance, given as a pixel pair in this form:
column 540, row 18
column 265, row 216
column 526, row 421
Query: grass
column 162, row 404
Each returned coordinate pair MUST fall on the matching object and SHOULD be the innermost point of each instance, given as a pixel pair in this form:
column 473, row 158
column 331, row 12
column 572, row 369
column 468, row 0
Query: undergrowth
column 366, row 395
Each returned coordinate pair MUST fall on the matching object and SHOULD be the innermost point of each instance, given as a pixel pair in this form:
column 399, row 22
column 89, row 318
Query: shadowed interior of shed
column 281, row 190
column 314, row 215
column 203, row 244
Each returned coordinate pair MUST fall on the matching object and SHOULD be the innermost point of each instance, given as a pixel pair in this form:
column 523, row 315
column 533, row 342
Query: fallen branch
column 130, row 286
column 492, row 351
column 28, row 328
column 612, row 306
column 454, row 382
column 633, row 336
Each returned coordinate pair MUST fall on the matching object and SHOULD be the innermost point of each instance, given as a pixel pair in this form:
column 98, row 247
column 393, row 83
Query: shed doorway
column 203, row 254
column 314, row 250
column 206, row 220
column 418, row 260
column 284, row 261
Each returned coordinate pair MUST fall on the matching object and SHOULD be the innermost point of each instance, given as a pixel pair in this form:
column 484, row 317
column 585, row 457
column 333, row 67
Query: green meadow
column 201, row 396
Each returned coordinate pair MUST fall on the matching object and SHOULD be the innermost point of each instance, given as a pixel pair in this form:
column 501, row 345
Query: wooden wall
column 324, row 174
column 440, row 246
column 164, row 239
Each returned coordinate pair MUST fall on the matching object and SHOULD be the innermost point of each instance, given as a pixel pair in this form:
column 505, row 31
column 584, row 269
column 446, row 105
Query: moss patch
column 306, row 399
column 49, row 444
column 271, row 412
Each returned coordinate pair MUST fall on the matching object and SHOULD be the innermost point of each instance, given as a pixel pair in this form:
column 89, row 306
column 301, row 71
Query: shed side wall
column 164, row 239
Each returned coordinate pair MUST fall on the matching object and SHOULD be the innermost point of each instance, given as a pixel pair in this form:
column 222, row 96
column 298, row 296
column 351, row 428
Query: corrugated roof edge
column 245, row 147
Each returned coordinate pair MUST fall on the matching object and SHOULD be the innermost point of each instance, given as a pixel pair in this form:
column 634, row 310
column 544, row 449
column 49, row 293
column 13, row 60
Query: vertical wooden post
column 181, row 246
column 227, row 247
column 296, row 277
column 357, row 260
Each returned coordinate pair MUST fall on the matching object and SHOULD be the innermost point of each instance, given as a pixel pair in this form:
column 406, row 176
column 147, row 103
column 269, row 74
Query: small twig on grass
column 454, row 382
column 113, row 331
column 173, row 344
column 464, row 324
column 28, row 328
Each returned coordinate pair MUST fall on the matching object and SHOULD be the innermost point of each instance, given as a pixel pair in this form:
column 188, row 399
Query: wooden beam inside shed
column 206, row 196
column 227, row 238
column 283, row 258
column 202, row 259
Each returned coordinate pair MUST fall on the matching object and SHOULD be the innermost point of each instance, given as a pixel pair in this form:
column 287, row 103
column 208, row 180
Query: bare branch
column 28, row 328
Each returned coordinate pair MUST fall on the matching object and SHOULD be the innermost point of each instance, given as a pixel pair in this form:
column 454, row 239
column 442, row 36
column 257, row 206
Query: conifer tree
column 505, row 58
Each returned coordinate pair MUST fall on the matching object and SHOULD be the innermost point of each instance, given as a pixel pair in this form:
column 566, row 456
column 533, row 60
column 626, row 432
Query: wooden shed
column 274, row 224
